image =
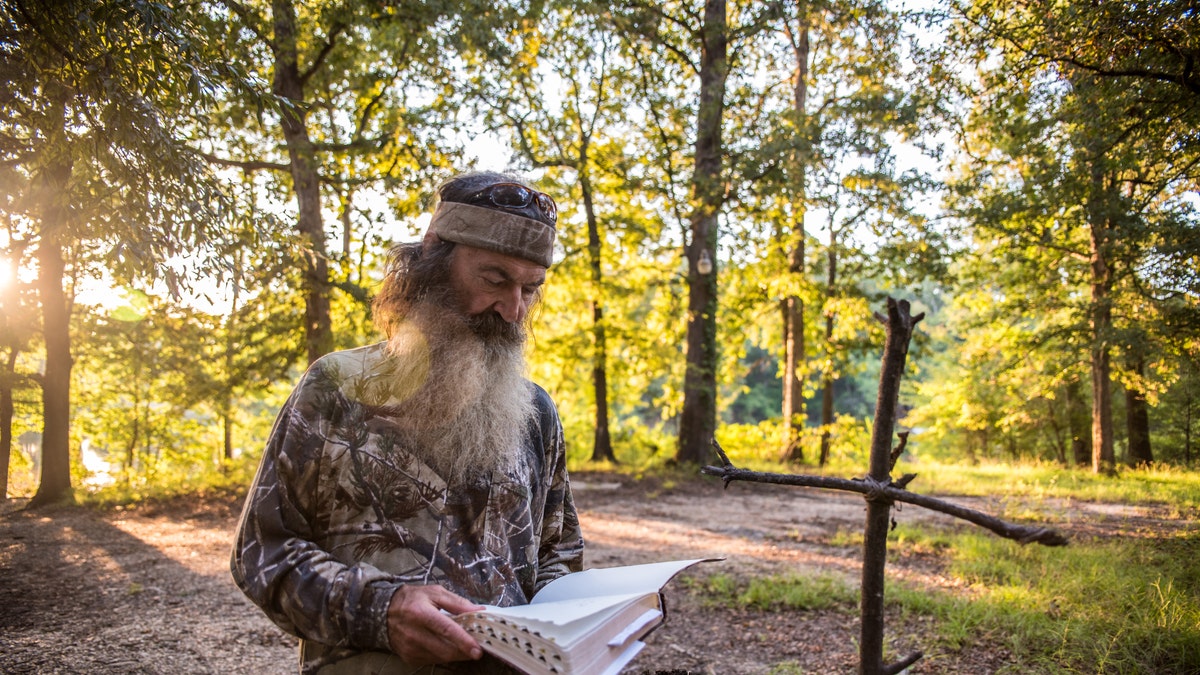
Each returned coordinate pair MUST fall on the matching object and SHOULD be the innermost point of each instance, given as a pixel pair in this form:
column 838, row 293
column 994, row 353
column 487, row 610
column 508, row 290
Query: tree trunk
column 602, row 449
column 827, row 379
column 55, row 485
column 8, row 382
column 1187, row 434
column 1103, row 459
column 793, row 389
column 1056, row 430
column 1077, row 418
column 698, row 420
column 289, row 84
column 1137, row 421
column 895, row 354
column 131, row 446
column 227, row 401
column 793, row 306
column 826, row 403
column 52, row 198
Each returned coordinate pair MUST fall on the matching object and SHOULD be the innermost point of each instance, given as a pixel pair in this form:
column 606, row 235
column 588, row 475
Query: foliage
column 98, row 182
column 1054, row 121
column 757, row 446
column 1078, row 151
column 99, row 88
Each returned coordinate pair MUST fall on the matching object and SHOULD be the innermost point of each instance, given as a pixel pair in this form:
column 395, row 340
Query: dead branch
column 893, row 492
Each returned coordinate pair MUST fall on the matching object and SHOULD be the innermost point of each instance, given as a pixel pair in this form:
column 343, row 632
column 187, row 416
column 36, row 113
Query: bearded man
column 408, row 480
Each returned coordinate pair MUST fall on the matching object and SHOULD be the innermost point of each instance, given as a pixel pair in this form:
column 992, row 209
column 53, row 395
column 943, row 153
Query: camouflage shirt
column 340, row 516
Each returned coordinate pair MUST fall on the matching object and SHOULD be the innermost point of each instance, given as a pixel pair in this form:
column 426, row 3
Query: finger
column 420, row 632
column 451, row 602
column 454, row 636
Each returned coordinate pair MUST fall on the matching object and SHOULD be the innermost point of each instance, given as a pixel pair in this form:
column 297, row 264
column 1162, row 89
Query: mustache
column 493, row 329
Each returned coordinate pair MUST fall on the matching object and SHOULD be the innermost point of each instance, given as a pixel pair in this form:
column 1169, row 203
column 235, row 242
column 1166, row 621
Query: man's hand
column 421, row 634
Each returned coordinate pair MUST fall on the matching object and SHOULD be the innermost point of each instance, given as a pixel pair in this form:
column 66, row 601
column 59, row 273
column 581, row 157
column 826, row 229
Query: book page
column 565, row 611
column 631, row 579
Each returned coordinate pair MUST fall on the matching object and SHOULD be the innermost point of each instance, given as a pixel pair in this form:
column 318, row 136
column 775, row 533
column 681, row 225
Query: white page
column 637, row 579
column 647, row 617
column 563, row 611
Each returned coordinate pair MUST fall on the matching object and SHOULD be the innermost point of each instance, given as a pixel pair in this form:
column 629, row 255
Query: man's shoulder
column 543, row 403
column 351, row 359
column 336, row 368
column 541, row 397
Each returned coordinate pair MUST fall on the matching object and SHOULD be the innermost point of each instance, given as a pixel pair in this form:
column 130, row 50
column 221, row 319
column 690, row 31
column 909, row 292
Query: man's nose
column 511, row 305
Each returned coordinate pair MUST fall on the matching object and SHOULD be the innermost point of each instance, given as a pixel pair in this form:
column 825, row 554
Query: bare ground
column 147, row 589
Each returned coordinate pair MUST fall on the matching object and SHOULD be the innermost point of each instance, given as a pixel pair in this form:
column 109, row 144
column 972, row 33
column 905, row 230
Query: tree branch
column 1023, row 534
column 330, row 43
column 244, row 165
column 251, row 21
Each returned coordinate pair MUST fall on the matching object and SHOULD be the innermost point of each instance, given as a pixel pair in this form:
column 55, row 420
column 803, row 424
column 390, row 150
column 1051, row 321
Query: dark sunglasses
column 517, row 196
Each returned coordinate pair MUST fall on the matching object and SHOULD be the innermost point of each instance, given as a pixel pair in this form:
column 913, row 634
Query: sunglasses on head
column 517, row 196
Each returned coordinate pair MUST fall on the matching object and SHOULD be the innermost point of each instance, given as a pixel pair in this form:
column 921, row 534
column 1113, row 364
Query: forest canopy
column 198, row 198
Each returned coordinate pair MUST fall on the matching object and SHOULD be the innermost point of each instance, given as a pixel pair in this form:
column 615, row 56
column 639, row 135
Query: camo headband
column 494, row 230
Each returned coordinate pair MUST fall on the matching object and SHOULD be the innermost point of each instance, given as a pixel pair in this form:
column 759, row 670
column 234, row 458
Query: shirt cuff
column 370, row 630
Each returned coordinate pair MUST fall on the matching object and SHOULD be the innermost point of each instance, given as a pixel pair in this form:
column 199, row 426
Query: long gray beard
column 468, row 412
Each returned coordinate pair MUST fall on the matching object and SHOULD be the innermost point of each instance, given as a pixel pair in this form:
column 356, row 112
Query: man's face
column 492, row 287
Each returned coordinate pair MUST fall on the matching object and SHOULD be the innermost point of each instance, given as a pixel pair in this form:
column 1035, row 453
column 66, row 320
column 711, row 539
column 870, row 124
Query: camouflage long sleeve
column 277, row 562
column 341, row 514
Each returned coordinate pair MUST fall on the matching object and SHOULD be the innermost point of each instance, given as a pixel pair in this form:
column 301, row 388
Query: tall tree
column 792, row 236
column 102, row 178
column 362, row 102
column 573, row 134
column 673, row 44
column 1120, row 106
column 822, row 131
column 288, row 84
column 698, row 419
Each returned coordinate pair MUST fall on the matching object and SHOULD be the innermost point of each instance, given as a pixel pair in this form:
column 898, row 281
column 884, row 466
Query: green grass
column 1173, row 487
column 789, row 592
column 1123, row 606
column 1110, row 606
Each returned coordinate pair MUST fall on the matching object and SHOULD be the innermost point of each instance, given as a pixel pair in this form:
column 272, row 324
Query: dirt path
column 147, row 590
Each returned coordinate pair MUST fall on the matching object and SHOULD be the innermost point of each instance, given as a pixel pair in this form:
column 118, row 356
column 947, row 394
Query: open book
column 586, row 623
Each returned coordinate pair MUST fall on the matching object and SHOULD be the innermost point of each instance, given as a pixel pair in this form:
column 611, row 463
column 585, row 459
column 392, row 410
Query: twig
column 898, row 450
column 903, row 663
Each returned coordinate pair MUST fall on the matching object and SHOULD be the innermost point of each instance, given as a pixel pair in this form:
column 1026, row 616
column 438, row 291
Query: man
column 406, row 481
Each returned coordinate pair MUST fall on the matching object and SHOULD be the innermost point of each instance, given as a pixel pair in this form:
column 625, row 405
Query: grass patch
column 1164, row 485
column 1099, row 606
column 786, row 592
column 1104, row 607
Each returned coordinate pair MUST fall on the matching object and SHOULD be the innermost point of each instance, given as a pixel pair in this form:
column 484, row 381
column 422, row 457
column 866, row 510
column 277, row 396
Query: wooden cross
column 881, row 492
